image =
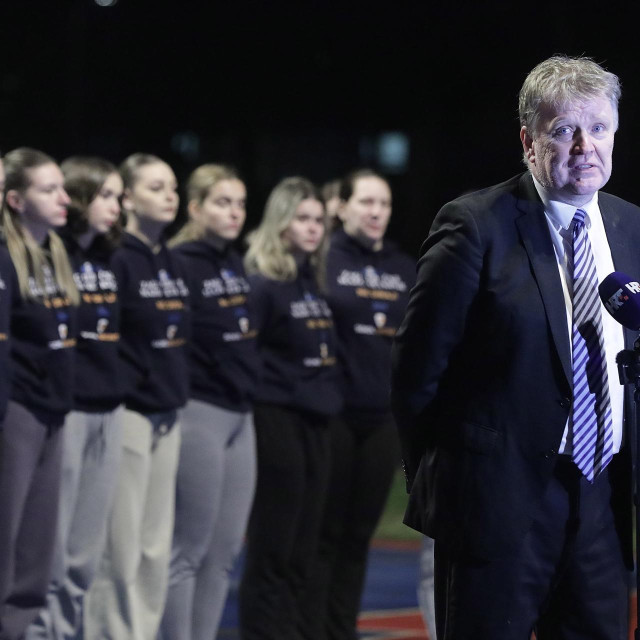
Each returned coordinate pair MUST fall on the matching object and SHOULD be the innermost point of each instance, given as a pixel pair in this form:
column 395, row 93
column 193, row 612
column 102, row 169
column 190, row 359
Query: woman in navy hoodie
column 217, row 470
column 92, row 432
column 127, row 597
column 295, row 398
column 42, row 341
column 368, row 279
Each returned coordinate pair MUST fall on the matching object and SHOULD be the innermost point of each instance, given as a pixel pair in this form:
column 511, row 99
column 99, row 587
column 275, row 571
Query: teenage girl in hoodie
column 42, row 340
column 297, row 394
column 217, row 470
column 127, row 597
column 368, row 279
column 92, row 432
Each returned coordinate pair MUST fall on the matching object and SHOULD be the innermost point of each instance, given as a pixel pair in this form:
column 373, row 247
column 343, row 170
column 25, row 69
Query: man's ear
column 527, row 145
column 15, row 200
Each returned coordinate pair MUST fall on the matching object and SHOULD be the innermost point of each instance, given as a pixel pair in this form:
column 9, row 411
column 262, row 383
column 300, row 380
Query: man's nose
column 583, row 143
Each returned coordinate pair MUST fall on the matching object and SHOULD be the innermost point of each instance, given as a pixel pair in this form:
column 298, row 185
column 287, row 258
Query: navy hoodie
column 7, row 286
column 98, row 384
column 223, row 356
column 43, row 337
column 297, row 344
column 154, row 317
column 368, row 294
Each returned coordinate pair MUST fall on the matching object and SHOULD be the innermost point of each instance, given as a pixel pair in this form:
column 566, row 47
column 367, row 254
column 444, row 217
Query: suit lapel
column 624, row 259
column 534, row 233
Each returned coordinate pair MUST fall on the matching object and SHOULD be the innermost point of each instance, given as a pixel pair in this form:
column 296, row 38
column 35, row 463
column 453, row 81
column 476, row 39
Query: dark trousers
column 364, row 456
column 293, row 464
column 30, row 459
column 568, row 581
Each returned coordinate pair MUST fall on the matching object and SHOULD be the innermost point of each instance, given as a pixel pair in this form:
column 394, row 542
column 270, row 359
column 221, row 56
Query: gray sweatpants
column 92, row 446
column 126, row 598
column 30, row 458
column 215, row 487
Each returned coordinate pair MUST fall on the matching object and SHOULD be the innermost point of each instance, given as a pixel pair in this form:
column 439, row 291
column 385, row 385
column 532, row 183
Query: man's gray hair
column 560, row 81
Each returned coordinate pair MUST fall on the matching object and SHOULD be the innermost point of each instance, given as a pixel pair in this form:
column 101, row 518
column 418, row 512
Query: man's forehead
column 598, row 105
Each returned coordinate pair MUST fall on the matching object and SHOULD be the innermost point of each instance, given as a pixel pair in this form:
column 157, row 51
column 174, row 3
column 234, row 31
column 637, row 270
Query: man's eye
column 562, row 132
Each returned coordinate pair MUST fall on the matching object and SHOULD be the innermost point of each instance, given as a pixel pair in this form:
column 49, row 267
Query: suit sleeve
column 448, row 280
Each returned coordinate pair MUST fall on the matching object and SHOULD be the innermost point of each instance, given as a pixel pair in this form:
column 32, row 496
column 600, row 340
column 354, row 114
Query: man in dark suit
column 531, row 517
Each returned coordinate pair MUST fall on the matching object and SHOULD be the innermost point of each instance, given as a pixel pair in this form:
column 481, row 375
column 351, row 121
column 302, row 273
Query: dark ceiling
column 278, row 88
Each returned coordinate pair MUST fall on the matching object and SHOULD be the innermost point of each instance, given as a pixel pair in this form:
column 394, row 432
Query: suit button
column 550, row 454
column 565, row 403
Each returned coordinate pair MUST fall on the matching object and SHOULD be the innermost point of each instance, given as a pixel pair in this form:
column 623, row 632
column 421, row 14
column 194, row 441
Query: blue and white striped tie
column 592, row 423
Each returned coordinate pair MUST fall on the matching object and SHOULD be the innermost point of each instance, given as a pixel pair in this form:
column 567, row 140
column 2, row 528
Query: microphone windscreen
column 620, row 295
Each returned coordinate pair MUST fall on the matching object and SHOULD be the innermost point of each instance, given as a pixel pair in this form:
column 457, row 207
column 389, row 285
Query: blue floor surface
column 390, row 584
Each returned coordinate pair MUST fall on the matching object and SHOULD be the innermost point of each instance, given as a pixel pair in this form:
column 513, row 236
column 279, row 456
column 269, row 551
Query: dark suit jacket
column 481, row 383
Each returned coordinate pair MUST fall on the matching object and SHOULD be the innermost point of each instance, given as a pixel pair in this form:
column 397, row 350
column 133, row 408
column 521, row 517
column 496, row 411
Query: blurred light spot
column 388, row 151
column 187, row 145
column 393, row 152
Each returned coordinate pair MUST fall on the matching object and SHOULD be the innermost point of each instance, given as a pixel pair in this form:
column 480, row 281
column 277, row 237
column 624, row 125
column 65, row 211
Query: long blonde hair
column 268, row 254
column 199, row 185
column 29, row 258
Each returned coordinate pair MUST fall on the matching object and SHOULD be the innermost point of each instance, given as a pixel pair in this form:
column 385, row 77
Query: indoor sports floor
column 389, row 604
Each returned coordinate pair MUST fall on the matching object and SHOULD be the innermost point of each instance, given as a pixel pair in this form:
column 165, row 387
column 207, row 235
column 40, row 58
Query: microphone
column 620, row 295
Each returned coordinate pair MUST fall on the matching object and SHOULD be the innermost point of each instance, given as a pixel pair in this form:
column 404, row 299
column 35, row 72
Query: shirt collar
column 560, row 213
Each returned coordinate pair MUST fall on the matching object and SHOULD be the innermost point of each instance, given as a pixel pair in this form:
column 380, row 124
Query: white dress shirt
column 559, row 217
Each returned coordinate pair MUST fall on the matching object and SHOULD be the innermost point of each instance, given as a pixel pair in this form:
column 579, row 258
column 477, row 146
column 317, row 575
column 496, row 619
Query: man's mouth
column 585, row 166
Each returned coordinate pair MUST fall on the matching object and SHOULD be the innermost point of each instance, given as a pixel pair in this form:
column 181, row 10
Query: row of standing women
column 137, row 372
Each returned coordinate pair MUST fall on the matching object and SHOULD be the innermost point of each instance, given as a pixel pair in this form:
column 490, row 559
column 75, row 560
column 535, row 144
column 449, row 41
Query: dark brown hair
column 348, row 184
column 83, row 180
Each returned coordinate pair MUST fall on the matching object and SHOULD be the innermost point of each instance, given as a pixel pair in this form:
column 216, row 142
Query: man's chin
column 580, row 191
column 589, row 184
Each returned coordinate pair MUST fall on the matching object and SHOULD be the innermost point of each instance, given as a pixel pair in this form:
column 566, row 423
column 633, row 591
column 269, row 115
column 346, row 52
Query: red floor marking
column 406, row 624
column 397, row 545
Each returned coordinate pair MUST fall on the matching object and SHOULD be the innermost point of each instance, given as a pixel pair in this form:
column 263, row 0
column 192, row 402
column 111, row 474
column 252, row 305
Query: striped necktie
column 592, row 423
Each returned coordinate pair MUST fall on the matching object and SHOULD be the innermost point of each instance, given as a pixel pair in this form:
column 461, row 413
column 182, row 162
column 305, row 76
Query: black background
column 281, row 88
